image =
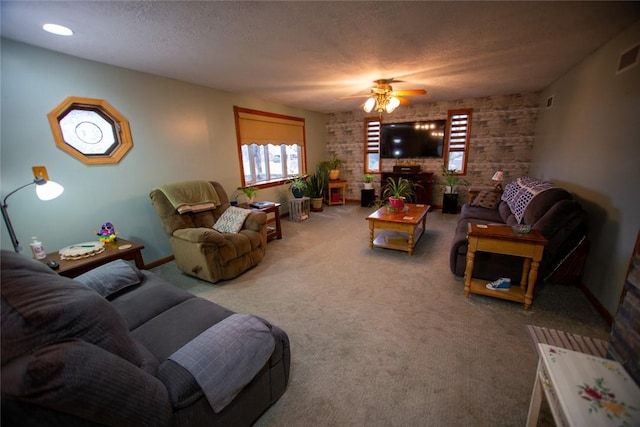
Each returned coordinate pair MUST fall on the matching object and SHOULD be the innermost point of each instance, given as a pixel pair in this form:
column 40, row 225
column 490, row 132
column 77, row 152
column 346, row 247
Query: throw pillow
column 231, row 220
column 111, row 277
column 486, row 199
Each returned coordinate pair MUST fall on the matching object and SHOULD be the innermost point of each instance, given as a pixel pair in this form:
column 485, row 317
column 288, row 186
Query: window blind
column 373, row 136
column 263, row 130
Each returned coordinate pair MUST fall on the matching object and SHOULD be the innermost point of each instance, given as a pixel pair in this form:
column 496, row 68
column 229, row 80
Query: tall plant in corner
column 316, row 187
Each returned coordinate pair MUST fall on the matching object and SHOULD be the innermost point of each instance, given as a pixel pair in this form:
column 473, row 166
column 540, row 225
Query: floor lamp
column 45, row 189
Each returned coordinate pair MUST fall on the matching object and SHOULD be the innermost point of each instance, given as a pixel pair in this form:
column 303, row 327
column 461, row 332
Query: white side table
column 584, row 390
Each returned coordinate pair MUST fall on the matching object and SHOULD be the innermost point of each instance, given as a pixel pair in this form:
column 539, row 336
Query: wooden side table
column 583, row 390
column 501, row 239
column 273, row 217
column 337, row 186
column 118, row 249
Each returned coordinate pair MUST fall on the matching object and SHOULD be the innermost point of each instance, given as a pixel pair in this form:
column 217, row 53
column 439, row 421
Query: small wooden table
column 273, row 217
column 404, row 229
column 501, row 239
column 583, row 390
column 118, row 249
column 337, row 186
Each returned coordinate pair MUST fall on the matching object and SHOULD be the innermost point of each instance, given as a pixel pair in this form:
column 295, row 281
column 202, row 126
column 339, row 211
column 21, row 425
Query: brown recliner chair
column 203, row 252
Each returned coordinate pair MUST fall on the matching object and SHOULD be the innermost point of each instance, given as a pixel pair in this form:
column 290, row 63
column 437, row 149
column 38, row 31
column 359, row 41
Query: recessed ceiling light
column 57, row 29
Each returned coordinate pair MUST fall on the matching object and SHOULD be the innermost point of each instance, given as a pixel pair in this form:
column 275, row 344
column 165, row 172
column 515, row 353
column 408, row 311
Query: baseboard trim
column 602, row 311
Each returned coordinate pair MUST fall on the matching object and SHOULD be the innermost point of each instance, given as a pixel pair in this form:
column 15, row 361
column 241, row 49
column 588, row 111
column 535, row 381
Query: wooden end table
column 340, row 186
column 403, row 229
column 501, row 239
column 118, row 249
column 273, row 217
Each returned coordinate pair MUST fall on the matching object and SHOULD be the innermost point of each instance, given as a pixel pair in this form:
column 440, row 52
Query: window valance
column 263, row 130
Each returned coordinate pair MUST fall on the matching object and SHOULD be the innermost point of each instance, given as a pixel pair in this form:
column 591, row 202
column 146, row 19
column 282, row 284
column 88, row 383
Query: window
column 271, row 146
column 372, row 144
column 90, row 130
column 458, row 134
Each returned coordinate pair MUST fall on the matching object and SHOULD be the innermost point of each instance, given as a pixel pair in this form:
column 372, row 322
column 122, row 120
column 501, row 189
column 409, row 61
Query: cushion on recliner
column 81, row 379
column 39, row 308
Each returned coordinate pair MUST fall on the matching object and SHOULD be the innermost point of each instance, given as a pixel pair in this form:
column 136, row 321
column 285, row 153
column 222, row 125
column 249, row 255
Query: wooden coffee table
column 402, row 230
column 118, row 249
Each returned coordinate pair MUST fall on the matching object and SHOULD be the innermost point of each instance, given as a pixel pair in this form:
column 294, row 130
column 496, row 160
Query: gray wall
column 180, row 131
column 588, row 142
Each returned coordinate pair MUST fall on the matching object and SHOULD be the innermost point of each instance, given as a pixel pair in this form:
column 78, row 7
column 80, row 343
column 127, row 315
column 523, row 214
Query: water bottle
column 37, row 248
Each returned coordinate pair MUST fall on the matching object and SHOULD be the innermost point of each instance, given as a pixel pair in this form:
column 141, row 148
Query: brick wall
column 502, row 135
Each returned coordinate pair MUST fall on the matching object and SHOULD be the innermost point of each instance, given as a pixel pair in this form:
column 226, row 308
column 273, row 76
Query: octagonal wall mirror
column 91, row 130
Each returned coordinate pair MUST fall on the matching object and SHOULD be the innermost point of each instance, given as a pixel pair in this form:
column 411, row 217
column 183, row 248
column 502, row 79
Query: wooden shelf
column 397, row 240
column 478, row 286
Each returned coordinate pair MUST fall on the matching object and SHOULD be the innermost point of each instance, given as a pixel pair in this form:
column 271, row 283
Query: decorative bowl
column 521, row 228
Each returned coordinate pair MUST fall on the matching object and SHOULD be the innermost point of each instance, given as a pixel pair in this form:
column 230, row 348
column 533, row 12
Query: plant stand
column 367, row 197
column 338, row 186
column 450, row 203
column 299, row 209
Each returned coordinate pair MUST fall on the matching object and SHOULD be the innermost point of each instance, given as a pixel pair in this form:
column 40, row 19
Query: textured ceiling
column 313, row 54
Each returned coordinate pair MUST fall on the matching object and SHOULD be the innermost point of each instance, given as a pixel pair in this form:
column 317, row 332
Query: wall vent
column 628, row 59
column 550, row 102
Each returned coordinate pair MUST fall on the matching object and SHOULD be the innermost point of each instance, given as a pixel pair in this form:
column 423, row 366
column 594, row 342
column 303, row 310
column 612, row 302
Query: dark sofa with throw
column 547, row 208
column 109, row 348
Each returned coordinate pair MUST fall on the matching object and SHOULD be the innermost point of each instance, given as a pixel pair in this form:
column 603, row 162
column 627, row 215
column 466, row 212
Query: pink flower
column 593, row 393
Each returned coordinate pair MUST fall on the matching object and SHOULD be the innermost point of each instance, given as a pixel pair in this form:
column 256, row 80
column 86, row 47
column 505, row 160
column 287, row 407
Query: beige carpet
column 379, row 338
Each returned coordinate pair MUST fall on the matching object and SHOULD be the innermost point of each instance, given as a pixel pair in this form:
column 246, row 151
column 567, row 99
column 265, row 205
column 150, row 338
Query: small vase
column 397, row 203
column 334, row 174
column 368, row 185
column 297, row 193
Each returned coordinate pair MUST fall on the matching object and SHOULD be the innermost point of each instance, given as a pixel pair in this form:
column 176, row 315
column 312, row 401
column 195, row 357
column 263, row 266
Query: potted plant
column 368, row 181
column 249, row 192
column 298, row 187
column 451, row 180
column 397, row 191
column 333, row 165
column 316, row 186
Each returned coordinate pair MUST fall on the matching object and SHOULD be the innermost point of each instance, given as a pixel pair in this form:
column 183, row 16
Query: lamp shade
column 392, row 104
column 368, row 106
column 45, row 190
column 48, row 190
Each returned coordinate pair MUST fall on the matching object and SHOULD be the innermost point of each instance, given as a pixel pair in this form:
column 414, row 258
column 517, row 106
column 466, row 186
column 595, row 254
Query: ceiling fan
column 384, row 99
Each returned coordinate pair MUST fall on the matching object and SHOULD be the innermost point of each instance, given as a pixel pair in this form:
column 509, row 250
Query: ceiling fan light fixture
column 368, row 106
column 391, row 104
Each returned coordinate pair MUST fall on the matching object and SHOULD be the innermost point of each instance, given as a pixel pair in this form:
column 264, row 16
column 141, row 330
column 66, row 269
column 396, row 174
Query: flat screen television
column 412, row 139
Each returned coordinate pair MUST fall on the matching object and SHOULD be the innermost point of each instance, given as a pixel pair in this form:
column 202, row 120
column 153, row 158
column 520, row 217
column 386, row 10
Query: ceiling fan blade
column 403, row 101
column 355, row 96
column 410, row 92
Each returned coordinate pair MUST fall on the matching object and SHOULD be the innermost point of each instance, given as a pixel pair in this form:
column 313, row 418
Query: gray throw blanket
column 225, row 358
